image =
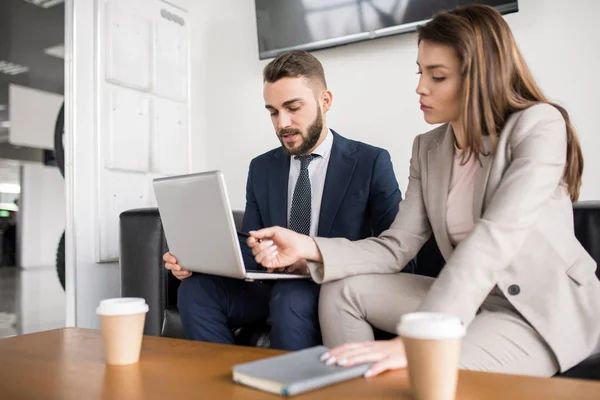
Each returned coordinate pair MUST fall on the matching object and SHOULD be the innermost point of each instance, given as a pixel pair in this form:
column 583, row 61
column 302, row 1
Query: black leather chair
column 143, row 275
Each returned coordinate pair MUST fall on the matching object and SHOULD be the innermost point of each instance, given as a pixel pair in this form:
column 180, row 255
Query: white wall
column 374, row 85
column 125, row 123
column 40, row 301
column 86, row 281
column 33, row 129
column 41, row 215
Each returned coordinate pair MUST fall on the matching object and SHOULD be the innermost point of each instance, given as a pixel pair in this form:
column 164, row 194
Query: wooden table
column 69, row 364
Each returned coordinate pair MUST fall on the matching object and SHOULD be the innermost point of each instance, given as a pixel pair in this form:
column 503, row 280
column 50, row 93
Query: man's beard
column 308, row 142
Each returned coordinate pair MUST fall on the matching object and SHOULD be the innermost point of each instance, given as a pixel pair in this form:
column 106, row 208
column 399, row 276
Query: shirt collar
column 324, row 149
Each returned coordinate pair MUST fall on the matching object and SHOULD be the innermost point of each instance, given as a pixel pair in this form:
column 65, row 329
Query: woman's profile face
column 440, row 83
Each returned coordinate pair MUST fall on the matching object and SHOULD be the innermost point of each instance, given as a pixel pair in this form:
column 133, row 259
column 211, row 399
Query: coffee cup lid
column 122, row 306
column 429, row 325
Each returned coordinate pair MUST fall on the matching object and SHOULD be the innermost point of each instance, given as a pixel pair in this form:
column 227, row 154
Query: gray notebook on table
column 294, row 373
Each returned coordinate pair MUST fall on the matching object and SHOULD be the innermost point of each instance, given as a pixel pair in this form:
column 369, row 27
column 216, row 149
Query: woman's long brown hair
column 496, row 79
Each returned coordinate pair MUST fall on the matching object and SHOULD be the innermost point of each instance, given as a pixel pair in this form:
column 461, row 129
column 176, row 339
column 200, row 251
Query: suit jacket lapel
column 339, row 174
column 481, row 178
column 278, row 189
column 439, row 169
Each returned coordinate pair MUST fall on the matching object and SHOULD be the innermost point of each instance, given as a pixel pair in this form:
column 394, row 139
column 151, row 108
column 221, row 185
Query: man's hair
column 293, row 65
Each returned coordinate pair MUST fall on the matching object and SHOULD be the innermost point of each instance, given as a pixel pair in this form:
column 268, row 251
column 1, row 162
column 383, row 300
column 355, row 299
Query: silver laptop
column 199, row 226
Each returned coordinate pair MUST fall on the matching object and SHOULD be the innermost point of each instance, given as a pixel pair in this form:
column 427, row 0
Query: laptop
column 199, row 226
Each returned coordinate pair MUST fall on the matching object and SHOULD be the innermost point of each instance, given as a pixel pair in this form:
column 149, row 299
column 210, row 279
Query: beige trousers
column 497, row 340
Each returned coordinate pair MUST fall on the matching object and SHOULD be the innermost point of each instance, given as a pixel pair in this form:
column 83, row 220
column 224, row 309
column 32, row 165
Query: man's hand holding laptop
column 176, row 269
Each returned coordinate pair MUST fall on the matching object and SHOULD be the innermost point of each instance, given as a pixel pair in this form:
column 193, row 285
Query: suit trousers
column 499, row 339
column 211, row 306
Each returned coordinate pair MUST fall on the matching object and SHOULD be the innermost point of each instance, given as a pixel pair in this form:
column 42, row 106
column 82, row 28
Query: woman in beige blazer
column 495, row 185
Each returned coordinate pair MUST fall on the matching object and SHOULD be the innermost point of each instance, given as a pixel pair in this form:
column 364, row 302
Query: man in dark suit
column 317, row 183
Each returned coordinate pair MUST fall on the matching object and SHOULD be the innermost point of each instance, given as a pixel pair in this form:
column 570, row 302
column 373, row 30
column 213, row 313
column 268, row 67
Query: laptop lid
column 198, row 223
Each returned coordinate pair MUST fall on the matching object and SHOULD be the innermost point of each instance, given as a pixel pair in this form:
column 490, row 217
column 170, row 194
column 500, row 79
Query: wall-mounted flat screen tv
column 285, row 25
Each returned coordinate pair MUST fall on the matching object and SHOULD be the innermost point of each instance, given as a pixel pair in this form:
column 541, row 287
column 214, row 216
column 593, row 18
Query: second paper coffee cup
column 432, row 343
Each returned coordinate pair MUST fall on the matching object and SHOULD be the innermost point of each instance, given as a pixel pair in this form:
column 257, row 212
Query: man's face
column 295, row 113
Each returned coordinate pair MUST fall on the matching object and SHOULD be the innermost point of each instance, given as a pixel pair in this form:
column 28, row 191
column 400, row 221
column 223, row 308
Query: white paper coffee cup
column 432, row 343
column 122, row 322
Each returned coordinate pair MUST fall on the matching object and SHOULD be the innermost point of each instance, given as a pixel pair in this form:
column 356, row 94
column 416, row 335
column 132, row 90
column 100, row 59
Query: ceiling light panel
column 9, row 68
